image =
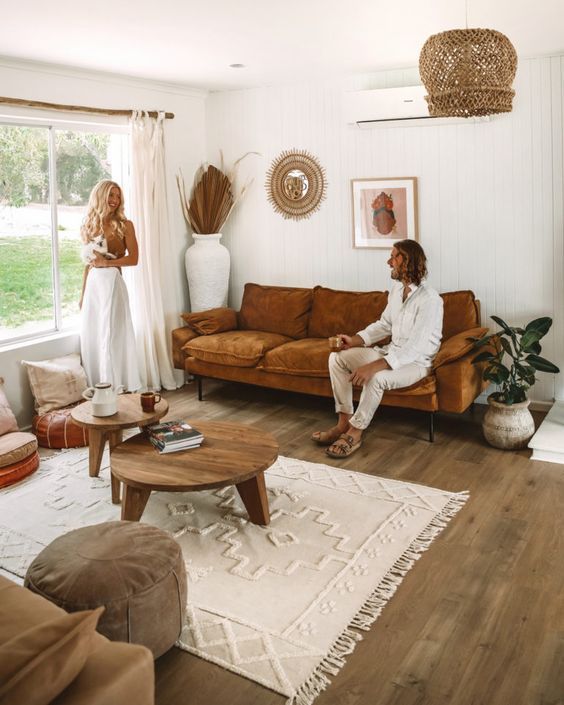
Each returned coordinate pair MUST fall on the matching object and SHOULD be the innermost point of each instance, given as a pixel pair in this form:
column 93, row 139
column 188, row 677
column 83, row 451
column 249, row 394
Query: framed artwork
column 384, row 211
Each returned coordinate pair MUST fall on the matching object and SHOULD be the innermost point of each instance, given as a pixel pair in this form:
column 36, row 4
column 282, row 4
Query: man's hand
column 362, row 375
column 350, row 341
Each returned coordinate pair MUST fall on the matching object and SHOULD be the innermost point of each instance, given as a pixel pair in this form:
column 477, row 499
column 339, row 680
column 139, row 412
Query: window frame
column 15, row 118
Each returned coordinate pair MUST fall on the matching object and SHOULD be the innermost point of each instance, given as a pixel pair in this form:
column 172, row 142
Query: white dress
column 107, row 340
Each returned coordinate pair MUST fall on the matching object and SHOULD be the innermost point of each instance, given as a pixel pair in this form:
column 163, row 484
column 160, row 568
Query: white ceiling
column 193, row 43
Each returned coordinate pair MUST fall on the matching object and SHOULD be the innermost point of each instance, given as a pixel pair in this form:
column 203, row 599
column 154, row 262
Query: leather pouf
column 135, row 571
column 56, row 429
column 17, row 471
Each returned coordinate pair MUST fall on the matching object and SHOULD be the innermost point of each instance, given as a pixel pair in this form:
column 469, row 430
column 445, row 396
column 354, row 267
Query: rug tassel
column 373, row 606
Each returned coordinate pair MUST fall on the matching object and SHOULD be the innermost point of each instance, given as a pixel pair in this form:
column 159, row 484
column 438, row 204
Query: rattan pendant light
column 468, row 72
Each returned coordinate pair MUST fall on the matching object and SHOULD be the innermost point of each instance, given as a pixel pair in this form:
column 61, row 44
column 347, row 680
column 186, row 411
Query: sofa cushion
column 276, row 309
column 460, row 312
column 37, row 664
column 306, row 358
column 242, row 348
column 347, row 312
column 215, row 320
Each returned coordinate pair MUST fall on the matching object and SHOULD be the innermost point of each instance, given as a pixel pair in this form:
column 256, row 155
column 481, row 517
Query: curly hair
column 98, row 209
column 415, row 261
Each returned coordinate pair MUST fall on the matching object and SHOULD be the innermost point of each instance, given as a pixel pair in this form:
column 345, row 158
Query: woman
column 107, row 341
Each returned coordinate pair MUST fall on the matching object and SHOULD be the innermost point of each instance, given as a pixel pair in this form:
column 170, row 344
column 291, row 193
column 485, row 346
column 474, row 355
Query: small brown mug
column 335, row 343
column 149, row 399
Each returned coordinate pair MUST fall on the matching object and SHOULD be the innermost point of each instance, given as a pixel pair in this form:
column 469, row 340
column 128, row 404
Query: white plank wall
column 490, row 196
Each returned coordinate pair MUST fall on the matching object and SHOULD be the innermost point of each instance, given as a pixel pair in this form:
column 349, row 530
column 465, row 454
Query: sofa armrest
column 457, row 346
column 214, row 320
column 180, row 336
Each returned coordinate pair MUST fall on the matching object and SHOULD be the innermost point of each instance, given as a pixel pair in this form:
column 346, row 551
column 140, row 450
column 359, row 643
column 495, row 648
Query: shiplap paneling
column 490, row 195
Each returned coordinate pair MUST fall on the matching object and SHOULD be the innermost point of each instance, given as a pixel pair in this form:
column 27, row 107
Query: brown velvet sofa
column 279, row 339
column 50, row 656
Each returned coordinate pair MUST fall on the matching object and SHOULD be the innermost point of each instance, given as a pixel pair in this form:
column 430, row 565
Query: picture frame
column 384, row 211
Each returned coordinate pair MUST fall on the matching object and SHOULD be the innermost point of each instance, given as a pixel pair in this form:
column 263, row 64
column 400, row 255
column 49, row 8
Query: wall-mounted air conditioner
column 392, row 106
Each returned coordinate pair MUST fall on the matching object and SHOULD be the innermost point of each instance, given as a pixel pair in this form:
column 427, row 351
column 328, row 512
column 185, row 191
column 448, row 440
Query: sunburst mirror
column 296, row 184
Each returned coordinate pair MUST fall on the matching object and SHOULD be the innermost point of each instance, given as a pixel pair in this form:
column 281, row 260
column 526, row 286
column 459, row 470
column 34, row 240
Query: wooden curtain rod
column 76, row 108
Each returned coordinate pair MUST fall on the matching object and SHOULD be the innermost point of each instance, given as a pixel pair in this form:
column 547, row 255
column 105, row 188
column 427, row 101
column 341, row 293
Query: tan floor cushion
column 135, row 571
column 16, row 446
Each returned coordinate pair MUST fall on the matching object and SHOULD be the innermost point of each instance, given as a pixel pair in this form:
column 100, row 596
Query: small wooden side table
column 110, row 428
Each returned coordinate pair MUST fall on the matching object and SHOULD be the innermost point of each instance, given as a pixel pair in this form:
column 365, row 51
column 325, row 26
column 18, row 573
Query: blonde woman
column 107, row 341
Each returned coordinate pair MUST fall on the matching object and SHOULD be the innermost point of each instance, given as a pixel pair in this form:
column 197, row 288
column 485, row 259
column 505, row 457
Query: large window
column 46, row 175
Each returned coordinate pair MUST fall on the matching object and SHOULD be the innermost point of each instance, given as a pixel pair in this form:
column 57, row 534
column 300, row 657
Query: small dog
column 100, row 245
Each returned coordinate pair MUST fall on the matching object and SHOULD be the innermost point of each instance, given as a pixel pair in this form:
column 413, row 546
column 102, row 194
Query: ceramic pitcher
column 103, row 398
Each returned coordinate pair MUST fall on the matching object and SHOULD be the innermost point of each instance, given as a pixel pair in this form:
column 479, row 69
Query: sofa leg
column 431, row 427
column 199, row 387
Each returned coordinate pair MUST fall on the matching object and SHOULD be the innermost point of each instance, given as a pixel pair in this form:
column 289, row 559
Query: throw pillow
column 8, row 421
column 457, row 346
column 275, row 309
column 56, row 383
column 216, row 320
column 38, row 664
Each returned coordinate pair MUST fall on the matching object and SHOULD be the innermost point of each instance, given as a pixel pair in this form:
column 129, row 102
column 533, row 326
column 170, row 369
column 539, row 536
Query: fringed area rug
column 283, row 605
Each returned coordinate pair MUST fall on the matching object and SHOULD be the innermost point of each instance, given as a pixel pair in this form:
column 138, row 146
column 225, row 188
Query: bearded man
column 413, row 318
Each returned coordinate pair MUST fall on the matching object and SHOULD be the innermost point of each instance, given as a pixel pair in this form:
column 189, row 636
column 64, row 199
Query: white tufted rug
column 282, row 605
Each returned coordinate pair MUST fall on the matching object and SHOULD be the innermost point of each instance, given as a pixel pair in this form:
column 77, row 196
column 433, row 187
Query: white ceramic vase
column 207, row 270
column 509, row 427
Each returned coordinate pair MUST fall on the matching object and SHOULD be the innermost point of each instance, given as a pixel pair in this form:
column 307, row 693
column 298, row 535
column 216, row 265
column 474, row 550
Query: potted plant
column 206, row 210
column 512, row 361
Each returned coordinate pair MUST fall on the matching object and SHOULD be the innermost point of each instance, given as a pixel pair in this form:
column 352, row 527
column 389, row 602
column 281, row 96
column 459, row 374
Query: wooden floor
column 479, row 620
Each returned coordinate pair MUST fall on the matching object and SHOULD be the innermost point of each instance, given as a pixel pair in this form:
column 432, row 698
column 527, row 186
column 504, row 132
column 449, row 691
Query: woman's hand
column 99, row 260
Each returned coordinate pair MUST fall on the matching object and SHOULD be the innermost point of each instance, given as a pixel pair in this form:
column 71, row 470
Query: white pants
column 342, row 364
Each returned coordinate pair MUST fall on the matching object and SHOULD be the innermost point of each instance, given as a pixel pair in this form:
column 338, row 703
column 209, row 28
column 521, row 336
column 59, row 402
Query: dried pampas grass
column 212, row 199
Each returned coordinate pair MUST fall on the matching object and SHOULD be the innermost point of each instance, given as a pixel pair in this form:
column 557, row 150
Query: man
column 414, row 320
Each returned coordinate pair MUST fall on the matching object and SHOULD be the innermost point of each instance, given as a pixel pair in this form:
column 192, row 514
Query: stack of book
column 170, row 436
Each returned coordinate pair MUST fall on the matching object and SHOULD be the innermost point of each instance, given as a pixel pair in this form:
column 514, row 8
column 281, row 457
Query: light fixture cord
column 466, row 6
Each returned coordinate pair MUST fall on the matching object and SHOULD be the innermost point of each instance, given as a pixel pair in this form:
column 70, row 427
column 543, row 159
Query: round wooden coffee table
column 231, row 454
column 109, row 428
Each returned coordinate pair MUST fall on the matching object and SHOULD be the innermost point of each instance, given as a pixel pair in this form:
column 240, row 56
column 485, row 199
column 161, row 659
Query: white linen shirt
column 415, row 326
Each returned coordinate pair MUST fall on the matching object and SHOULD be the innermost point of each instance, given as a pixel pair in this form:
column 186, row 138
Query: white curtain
column 149, row 213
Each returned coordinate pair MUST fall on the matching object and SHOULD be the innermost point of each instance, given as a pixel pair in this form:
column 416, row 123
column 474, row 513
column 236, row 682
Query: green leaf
column 530, row 337
column 541, row 325
column 534, row 348
column 506, row 345
column 500, row 322
column 480, row 342
column 541, row 364
column 497, row 375
column 483, row 357
column 526, row 372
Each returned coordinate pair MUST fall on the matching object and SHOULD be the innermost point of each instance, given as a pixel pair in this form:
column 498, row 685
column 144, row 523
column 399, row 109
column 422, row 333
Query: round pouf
column 135, row 571
column 56, row 429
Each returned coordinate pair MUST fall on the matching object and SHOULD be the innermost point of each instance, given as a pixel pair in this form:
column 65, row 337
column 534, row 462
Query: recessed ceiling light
column 236, row 66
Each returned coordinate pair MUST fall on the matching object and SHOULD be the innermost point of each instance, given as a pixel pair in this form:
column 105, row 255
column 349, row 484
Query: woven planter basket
column 468, row 72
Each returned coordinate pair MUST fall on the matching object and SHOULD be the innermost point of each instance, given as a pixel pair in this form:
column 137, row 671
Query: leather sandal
column 345, row 445
column 324, row 438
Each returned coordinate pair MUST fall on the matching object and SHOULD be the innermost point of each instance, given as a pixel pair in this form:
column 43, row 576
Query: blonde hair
column 98, row 209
